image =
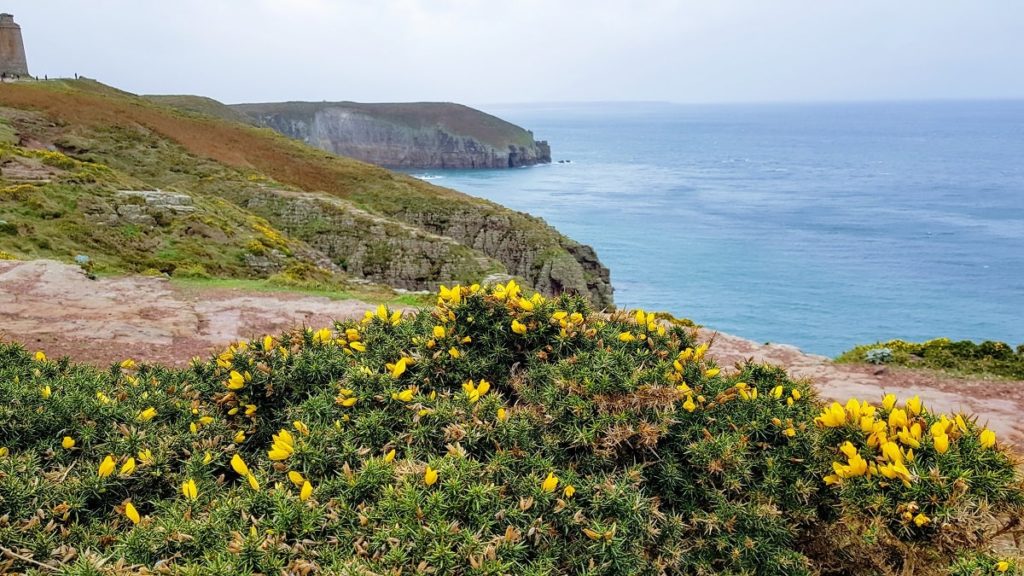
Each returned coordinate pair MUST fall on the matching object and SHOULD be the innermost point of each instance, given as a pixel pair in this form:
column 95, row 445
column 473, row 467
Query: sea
column 822, row 226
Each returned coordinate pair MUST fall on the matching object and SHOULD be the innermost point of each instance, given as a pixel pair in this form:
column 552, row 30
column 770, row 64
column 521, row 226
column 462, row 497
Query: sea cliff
column 411, row 135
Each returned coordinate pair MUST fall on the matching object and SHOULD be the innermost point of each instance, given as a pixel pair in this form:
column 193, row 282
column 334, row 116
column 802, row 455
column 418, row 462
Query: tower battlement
column 12, row 48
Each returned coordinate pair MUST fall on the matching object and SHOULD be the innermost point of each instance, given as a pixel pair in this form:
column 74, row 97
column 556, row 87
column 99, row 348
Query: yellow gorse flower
column 398, row 368
column 128, row 467
column 296, row 478
column 390, row 456
column 132, row 513
column 301, row 428
column 40, row 356
column 405, row 395
column 474, row 392
column 235, row 381
column 45, row 392
column 688, row 405
column 833, row 416
column 323, row 336
column 518, row 327
column 626, row 337
column 67, row 442
column 550, row 483
column 914, row 405
column 429, row 476
column 987, row 438
column 306, row 491
column 888, row 402
column 189, row 490
column 146, row 415
column 106, row 467
column 451, row 295
column 282, row 447
column 239, row 466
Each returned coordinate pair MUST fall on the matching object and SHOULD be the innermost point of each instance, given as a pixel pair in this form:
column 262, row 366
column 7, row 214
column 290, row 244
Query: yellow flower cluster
column 474, row 392
column 283, row 446
column 109, row 463
column 568, row 324
column 675, row 376
column 382, row 314
column 892, row 435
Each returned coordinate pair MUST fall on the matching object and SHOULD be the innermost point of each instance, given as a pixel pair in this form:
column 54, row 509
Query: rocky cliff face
column 419, row 135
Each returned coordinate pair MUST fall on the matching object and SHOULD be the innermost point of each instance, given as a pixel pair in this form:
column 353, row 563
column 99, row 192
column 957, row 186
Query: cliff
column 137, row 186
column 411, row 135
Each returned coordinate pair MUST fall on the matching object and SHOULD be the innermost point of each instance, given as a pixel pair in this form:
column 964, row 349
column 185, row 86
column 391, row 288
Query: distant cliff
column 413, row 135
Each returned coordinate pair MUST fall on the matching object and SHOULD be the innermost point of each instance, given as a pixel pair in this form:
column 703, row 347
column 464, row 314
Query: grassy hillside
column 199, row 105
column 366, row 222
column 499, row 433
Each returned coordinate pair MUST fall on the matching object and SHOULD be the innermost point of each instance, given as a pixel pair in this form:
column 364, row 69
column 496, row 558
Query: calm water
column 822, row 226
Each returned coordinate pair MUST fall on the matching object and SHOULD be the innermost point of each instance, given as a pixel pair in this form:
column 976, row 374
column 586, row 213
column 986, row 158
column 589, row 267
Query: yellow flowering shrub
column 549, row 444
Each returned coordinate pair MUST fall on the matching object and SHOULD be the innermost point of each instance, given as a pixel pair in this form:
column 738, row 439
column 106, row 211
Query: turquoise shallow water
column 822, row 226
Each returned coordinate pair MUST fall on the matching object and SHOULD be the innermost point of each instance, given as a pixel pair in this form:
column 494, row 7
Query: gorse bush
column 492, row 434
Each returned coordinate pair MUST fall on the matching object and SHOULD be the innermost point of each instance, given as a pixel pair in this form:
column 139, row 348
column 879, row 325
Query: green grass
column 370, row 295
column 963, row 359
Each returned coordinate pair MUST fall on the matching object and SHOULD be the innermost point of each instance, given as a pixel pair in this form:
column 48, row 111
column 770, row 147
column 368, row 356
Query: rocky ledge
column 413, row 135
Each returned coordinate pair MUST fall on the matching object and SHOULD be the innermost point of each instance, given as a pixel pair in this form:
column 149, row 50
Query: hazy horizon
column 534, row 52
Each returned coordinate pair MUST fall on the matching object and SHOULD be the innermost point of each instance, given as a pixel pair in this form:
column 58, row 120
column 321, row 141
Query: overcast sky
column 487, row 51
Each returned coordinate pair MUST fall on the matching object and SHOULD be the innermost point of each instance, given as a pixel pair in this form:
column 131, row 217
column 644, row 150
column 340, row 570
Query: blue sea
column 823, row 226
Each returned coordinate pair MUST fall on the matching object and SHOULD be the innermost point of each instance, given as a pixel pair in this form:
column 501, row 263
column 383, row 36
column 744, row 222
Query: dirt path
column 53, row 307
column 1000, row 403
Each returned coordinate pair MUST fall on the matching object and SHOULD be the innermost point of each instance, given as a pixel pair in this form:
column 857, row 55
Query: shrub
column 492, row 434
column 964, row 357
column 878, row 356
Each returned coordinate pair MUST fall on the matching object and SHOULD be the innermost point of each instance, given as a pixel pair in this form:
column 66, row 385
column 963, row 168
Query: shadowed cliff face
column 417, row 135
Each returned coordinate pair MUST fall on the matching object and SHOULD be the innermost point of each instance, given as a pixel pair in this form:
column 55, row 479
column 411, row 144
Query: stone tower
column 12, row 48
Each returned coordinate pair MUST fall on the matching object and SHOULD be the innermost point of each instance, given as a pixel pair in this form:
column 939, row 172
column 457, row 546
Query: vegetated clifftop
column 408, row 135
column 85, row 169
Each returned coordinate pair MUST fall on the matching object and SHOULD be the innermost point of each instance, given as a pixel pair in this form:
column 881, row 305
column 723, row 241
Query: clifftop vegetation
column 497, row 433
column 209, row 196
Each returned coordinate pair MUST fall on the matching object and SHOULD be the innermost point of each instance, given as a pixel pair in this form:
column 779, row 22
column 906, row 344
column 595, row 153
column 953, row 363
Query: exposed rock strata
column 418, row 135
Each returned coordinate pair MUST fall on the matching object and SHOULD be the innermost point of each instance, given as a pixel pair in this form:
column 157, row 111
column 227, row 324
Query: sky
column 488, row 51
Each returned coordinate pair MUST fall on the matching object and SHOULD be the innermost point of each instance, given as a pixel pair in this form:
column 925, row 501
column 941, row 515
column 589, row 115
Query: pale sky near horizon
column 485, row 51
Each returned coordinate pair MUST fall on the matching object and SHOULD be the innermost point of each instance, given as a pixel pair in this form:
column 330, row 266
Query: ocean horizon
column 821, row 225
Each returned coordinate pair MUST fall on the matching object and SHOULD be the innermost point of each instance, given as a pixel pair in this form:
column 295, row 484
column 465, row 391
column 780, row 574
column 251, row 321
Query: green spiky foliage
column 492, row 434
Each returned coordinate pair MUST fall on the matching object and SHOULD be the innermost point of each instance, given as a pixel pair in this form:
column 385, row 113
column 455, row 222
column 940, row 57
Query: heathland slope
column 404, row 135
column 135, row 185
